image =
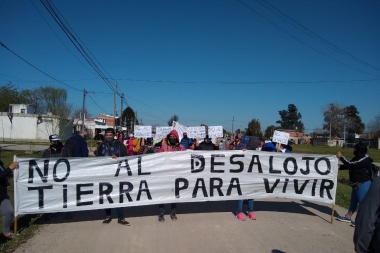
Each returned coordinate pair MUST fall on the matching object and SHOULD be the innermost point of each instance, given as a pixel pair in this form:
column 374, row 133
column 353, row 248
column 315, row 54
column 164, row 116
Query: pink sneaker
column 252, row 215
column 240, row 216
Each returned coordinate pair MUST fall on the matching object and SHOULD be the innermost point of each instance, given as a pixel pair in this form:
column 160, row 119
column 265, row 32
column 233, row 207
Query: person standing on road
column 359, row 171
column 246, row 143
column 114, row 148
column 55, row 149
column 5, row 203
column 367, row 223
column 170, row 144
column 76, row 146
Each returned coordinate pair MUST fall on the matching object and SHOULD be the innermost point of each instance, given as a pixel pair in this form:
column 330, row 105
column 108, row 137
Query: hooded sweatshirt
column 167, row 147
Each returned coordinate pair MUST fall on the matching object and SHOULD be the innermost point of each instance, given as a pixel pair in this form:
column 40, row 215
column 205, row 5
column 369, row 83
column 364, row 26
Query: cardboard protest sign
column 162, row 132
column 142, row 131
column 280, row 137
column 215, row 131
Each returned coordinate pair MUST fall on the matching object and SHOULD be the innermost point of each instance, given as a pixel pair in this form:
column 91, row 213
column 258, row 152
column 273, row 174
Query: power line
column 248, row 82
column 312, row 34
column 79, row 45
column 300, row 41
column 96, row 104
column 7, row 48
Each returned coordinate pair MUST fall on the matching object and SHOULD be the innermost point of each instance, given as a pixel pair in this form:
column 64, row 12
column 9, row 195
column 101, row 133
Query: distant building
column 21, row 123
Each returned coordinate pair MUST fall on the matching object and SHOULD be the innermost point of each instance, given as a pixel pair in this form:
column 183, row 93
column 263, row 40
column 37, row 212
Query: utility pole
column 114, row 105
column 330, row 131
column 83, row 104
column 121, row 108
column 233, row 118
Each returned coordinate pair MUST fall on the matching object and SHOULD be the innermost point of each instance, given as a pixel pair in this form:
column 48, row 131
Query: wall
column 25, row 127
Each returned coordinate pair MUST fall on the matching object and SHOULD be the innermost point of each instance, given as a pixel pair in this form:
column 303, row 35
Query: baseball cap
column 54, row 137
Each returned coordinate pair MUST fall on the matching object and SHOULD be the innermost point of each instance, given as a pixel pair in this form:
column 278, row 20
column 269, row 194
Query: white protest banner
column 280, row 137
column 142, row 131
column 73, row 184
column 162, row 132
column 215, row 131
column 196, row 132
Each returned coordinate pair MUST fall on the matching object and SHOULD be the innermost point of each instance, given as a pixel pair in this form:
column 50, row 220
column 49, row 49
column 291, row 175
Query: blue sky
column 207, row 61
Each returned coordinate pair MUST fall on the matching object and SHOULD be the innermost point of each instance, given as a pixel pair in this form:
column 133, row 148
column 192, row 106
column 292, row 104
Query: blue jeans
column 240, row 206
column 7, row 210
column 358, row 195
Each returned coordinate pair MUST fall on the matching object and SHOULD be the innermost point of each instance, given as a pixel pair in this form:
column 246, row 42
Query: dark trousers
column 162, row 206
column 119, row 211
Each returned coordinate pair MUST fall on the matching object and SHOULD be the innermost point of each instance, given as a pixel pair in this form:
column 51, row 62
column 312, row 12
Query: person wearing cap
column 5, row 203
column 206, row 144
column 186, row 141
column 55, row 149
column 114, row 148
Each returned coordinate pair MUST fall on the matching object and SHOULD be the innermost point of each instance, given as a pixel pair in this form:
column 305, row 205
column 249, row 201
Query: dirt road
column 281, row 226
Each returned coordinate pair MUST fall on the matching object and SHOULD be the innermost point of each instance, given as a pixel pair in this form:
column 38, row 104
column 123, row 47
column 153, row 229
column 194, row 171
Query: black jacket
column 4, row 173
column 368, row 221
column 359, row 168
column 207, row 146
column 114, row 148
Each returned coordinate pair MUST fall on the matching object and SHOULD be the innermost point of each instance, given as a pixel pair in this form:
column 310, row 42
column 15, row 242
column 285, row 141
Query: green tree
column 254, row 128
column 291, row 118
column 343, row 119
column 54, row 100
column 353, row 121
column 173, row 118
column 269, row 131
column 9, row 94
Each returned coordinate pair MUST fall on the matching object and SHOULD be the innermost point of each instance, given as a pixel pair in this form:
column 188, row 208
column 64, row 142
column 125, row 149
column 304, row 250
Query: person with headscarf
column 170, row 144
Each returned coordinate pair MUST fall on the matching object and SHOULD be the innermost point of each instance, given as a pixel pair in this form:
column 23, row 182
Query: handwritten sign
column 162, row 132
column 280, row 137
column 215, row 131
column 197, row 132
column 143, row 131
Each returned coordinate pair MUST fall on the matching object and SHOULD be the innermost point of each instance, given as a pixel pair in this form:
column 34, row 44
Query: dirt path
column 281, row 226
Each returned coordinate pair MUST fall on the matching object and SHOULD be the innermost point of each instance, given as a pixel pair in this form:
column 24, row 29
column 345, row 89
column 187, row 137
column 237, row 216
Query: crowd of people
column 115, row 145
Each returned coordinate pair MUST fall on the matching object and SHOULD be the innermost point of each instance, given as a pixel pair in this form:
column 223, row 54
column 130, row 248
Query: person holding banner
column 5, row 203
column 113, row 147
column 186, row 141
column 359, row 168
column 170, row 144
column 206, row 144
column 250, row 143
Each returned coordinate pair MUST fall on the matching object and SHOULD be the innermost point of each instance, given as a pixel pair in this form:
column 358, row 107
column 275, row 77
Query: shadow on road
column 187, row 208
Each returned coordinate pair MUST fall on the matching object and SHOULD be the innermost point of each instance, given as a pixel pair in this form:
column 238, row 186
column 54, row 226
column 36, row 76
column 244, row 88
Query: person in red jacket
column 171, row 143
